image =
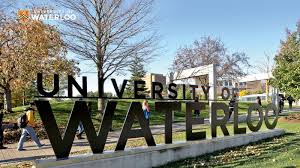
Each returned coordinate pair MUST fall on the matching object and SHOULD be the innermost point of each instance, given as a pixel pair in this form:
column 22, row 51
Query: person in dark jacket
column 290, row 99
column 258, row 100
column 281, row 102
column 1, row 130
column 231, row 105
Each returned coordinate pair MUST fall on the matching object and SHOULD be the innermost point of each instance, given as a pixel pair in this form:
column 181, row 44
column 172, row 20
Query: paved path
column 32, row 152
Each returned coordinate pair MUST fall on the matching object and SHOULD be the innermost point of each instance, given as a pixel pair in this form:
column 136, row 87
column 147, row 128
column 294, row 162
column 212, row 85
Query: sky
column 253, row 26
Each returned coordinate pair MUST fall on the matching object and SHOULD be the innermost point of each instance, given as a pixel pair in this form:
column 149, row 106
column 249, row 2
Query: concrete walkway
column 32, row 152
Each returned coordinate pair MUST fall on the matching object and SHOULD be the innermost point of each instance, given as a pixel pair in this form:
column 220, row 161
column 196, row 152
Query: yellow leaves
column 32, row 48
column 243, row 93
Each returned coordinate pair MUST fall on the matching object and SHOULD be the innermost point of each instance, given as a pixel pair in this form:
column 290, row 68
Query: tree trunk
column 100, row 92
column 24, row 99
column 267, row 91
column 7, row 98
column 101, row 105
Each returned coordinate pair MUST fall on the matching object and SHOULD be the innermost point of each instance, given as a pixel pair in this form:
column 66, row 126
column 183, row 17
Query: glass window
column 242, row 83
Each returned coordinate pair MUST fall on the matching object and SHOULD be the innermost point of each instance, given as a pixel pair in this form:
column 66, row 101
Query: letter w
column 62, row 146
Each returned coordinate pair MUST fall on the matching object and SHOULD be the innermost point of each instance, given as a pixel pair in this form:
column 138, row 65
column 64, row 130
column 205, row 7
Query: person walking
column 80, row 129
column 28, row 128
column 1, row 130
column 146, row 110
column 231, row 105
column 197, row 112
column 290, row 99
column 258, row 101
column 281, row 102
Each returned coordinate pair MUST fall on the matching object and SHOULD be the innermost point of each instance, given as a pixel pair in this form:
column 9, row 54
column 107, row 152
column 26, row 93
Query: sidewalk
column 32, row 152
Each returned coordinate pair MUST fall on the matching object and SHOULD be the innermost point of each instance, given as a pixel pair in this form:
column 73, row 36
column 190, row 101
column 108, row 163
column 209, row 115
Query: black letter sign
column 41, row 88
column 214, row 119
column 190, row 121
column 62, row 146
column 135, row 111
column 168, row 108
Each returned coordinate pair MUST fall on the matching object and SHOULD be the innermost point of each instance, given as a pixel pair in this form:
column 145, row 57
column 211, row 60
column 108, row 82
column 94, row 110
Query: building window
column 242, row 83
column 230, row 83
column 226, row 83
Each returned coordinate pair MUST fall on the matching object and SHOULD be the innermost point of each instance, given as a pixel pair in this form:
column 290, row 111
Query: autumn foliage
column 26, row 49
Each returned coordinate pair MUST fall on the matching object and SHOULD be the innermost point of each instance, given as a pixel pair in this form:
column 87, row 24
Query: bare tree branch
column 207, row 51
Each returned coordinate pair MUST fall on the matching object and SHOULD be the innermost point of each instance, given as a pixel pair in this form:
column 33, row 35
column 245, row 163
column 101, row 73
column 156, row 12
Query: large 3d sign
column 62, row 145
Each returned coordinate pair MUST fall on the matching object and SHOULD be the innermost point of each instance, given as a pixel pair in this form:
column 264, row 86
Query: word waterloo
column 62, row 146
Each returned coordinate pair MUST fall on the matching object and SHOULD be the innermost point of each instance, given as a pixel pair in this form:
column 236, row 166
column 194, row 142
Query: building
column 152, row 77
column 254, row 84
column 202, row 75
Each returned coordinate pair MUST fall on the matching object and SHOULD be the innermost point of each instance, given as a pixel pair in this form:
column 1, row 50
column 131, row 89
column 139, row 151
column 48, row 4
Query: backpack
column 22, row 120
column 231, row 103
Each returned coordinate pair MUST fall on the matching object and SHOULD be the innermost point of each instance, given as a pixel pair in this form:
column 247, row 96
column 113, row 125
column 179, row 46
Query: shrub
column 244, row 93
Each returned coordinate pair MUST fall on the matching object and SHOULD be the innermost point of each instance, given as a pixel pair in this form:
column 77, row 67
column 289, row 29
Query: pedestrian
column 232, row 103
column 1, row 130
column 146, row 110
column 290, row 99
column 258, row 101
column 80, row 129
column 197, row 112
column 281, row 102
column 27, row 122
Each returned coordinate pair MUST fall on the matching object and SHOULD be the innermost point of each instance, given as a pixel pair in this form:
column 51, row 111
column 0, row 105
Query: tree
column 207, row 51
column 137, row 70
column 266, row 66
column 109, row 33
column 287, row 62
column 30, row 47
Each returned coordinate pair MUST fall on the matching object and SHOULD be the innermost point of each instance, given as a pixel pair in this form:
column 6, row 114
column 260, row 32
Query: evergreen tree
column 137, row 70
column 287, row 71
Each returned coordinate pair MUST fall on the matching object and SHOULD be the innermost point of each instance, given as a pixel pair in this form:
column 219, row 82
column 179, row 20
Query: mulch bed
column 292, row 118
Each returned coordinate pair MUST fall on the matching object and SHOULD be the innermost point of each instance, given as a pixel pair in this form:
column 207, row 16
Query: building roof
column 204, row 70
column 156, row 74
column 192, row 72
column 255, row 77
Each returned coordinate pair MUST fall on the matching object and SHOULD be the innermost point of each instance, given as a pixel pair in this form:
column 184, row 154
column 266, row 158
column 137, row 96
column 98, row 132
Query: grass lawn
column 282, row 151
column 62, row 110
column 278, row 152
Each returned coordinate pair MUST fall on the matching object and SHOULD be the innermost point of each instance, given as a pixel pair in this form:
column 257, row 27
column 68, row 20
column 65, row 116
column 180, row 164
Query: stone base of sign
column 144, row 157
